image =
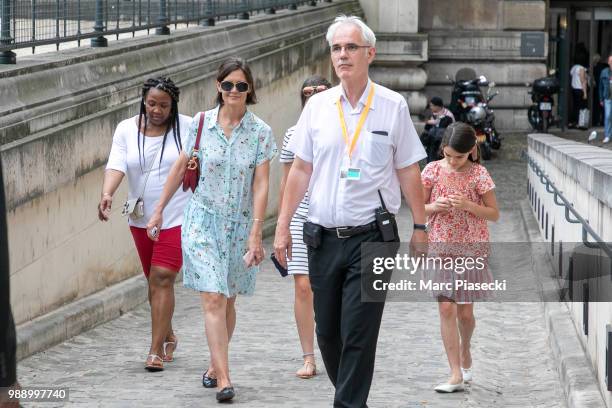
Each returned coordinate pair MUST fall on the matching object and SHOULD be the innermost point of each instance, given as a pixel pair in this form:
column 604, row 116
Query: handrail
column 569, row 208
column 32, row 23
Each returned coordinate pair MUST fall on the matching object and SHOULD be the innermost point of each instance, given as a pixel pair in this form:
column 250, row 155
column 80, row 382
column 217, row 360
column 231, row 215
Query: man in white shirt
column 351, row 142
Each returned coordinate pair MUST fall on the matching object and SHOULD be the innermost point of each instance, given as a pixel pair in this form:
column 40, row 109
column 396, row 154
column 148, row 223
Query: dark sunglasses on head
column 311, row 90
column 241, row 87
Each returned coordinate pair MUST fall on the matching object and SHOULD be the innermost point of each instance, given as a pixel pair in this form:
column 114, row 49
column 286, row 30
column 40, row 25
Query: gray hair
column 366, row 32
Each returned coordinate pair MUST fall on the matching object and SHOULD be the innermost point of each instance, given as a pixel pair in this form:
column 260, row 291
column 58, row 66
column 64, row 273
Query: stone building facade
column 423, row 41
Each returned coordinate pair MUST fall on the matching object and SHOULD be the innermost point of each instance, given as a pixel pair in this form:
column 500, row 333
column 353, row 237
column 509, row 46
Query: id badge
column 351, row 173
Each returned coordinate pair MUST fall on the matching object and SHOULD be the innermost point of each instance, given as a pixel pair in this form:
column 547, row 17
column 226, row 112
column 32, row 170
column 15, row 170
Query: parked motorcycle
column 470, row 105
column 540, row 113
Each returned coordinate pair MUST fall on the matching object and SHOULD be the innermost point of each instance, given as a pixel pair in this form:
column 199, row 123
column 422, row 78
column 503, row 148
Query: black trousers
column 578, row 103
column 347, row 328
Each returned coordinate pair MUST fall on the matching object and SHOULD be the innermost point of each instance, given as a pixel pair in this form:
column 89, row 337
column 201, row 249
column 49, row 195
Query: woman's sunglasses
column 241, row 87
column 311, row 90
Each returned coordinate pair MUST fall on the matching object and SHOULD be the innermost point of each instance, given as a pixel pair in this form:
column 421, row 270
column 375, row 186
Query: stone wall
column 57, row 118
column 583, row 174
column 400, row 50
column 486, row 36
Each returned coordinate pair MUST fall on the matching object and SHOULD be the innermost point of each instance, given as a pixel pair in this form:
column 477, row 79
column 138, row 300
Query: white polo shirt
column 388, row 141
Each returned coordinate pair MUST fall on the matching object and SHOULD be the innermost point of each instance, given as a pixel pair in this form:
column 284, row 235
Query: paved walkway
column 582, row 136
column 513, row 366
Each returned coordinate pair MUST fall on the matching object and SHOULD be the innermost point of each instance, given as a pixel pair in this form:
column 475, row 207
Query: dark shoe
column 209, row 382
column 226, row 394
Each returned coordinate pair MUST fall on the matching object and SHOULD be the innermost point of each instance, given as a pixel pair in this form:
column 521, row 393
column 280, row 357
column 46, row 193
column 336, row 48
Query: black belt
column 347, row 232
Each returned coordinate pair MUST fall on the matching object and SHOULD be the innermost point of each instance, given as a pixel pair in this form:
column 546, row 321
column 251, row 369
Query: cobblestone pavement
column 513, row 366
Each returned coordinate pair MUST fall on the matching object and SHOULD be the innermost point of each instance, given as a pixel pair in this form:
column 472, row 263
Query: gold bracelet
column 107, row 194
column 258, row 220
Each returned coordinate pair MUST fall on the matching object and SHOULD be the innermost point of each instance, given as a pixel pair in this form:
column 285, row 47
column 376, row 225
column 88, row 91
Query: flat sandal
column 152, row 365
column 307, row 376
column 166, row 358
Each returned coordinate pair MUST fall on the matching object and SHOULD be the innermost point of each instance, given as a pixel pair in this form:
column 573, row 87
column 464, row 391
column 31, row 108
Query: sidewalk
column 513, row 364
column 582, row 136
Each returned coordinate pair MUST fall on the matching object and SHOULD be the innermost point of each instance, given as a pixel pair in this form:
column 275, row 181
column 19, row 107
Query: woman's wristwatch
column 422, row 227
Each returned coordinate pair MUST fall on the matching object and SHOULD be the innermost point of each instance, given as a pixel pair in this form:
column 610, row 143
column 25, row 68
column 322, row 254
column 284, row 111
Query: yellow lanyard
column 364, row 114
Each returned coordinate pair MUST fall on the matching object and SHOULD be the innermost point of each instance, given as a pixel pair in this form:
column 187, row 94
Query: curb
column 74, row 318
column 84, row 314
column 576, row 374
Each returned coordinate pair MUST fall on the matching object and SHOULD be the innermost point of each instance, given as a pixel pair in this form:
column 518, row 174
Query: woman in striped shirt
column 298, row 265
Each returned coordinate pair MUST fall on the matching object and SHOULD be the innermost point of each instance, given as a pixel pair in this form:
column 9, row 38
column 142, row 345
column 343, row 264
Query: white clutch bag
column 133, row 208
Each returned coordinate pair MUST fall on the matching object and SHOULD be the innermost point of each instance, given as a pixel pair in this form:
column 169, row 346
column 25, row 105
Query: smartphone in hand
column 249, row 259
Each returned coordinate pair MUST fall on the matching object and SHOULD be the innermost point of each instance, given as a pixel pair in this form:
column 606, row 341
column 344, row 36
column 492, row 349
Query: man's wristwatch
column 422, row 227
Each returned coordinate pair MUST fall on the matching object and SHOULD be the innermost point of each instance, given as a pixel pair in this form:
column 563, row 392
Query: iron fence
column 31, row 23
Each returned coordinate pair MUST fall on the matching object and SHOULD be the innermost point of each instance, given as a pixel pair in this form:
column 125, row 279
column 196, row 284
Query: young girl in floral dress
column 459, row 200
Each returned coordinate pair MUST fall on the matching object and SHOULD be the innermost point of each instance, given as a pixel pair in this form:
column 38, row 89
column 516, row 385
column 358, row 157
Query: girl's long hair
column 461, row 137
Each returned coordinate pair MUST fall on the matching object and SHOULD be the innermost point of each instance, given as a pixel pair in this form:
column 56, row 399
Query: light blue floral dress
column 218, row 217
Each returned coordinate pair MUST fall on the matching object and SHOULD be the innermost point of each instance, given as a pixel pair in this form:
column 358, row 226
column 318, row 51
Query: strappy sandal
column 152, row 365
column 169, row 357
column 309, row 372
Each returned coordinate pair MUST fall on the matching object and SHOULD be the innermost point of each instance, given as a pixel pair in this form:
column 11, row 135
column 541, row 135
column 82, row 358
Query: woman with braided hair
column 144, row 148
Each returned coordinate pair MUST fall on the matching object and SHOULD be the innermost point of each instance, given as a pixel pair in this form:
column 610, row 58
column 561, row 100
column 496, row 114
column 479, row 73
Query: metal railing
column 561, row 201
column 32, row 23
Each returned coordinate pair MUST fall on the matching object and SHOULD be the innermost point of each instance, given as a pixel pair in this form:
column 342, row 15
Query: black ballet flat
column 209, row 382
column 226, row 394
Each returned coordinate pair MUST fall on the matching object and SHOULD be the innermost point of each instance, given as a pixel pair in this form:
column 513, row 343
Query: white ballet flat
column 467, row 374
column 449, row 388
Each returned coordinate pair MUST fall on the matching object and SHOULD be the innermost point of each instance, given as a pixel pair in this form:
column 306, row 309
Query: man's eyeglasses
column 241, row 87
column 308, row 91
column 350, row 48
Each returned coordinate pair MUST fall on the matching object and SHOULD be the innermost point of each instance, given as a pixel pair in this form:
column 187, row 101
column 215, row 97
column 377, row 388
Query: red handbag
column 192, row 173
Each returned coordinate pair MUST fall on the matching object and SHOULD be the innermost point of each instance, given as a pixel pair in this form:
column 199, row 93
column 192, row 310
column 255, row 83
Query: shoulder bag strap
column 144, row 185
column 196, row 147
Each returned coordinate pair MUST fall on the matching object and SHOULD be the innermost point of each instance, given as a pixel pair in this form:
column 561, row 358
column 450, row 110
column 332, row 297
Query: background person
column 150, row 143
column 605, row 98
column 224, row 218
column 579, row 84
column 440, row 119
column 298, row 265
column 459, row 200
column 598, row 65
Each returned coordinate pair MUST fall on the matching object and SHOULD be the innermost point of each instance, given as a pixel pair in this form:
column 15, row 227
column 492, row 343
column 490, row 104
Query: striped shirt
column 287, row 156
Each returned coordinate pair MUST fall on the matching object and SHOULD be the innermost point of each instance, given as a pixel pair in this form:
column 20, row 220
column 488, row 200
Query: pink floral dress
column 458, row 233
column 457, row 225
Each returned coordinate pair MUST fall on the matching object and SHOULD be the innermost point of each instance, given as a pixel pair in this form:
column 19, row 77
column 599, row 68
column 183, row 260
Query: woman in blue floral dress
column 224, row 218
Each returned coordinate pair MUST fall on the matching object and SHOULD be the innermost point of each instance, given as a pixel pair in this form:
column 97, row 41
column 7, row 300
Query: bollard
column 6, row 57
column 209, row 15
column 99, row 27
column 162, row 19
column 245, row 14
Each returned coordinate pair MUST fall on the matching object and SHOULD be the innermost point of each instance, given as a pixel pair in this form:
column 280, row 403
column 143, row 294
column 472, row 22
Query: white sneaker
column 449, row 388
column 467, row 374
column 606, row 139
column 592, row 136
